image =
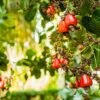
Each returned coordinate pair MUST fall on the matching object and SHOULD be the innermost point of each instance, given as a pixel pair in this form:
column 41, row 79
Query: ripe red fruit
column 51, row 10
column 1, row 84
column 62, row 27
column 0, row 78
column 56, row 63
column 85, row 80
column 64, row 61
column 76, row 83
column 70, row 20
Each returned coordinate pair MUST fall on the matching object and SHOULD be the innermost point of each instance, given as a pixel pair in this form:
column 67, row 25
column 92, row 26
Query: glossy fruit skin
column 51, row 10
column 56, row 63
column 1, row 84
column 62, row 27
column 85, row 81
column 70, row 20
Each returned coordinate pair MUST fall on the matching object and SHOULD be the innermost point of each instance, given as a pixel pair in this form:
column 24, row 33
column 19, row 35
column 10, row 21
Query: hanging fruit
column 56, row 63
column 1, row 83
column 70, row 20
column 64, row 61
column 62, row 27
column 51, row 10
column 85, row 80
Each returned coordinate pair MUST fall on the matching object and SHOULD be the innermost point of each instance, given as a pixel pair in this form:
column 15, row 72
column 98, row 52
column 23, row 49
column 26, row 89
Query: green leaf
column 41, row 63
column 96, row 13
column 1, row 3
column 87, row 53
column 94, row 89
column 97, row 93
column 65, row 93
column 62, row 6
column 30, row 53
column 50, row 28
column 47, row 1
column 25, row 62
column 96, row 56
column 52, row 71
column 77, row 96
column 78, row 35
column 81, row 91
column 36, row 72
column 72, row 80
column 3, row 61
column 92, row 24
column 24, row 4
column 42, row 37
column 85, row 21
column 43, row 23
column 2, row 25
column 30, row 13
column 85, row 8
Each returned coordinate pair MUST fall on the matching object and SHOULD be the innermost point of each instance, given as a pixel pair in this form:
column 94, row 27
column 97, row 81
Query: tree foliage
column 25, row 22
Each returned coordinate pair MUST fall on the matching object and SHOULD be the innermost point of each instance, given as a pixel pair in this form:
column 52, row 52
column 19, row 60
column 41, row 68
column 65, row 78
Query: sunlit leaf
column 30, row 53
column 25, row 62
